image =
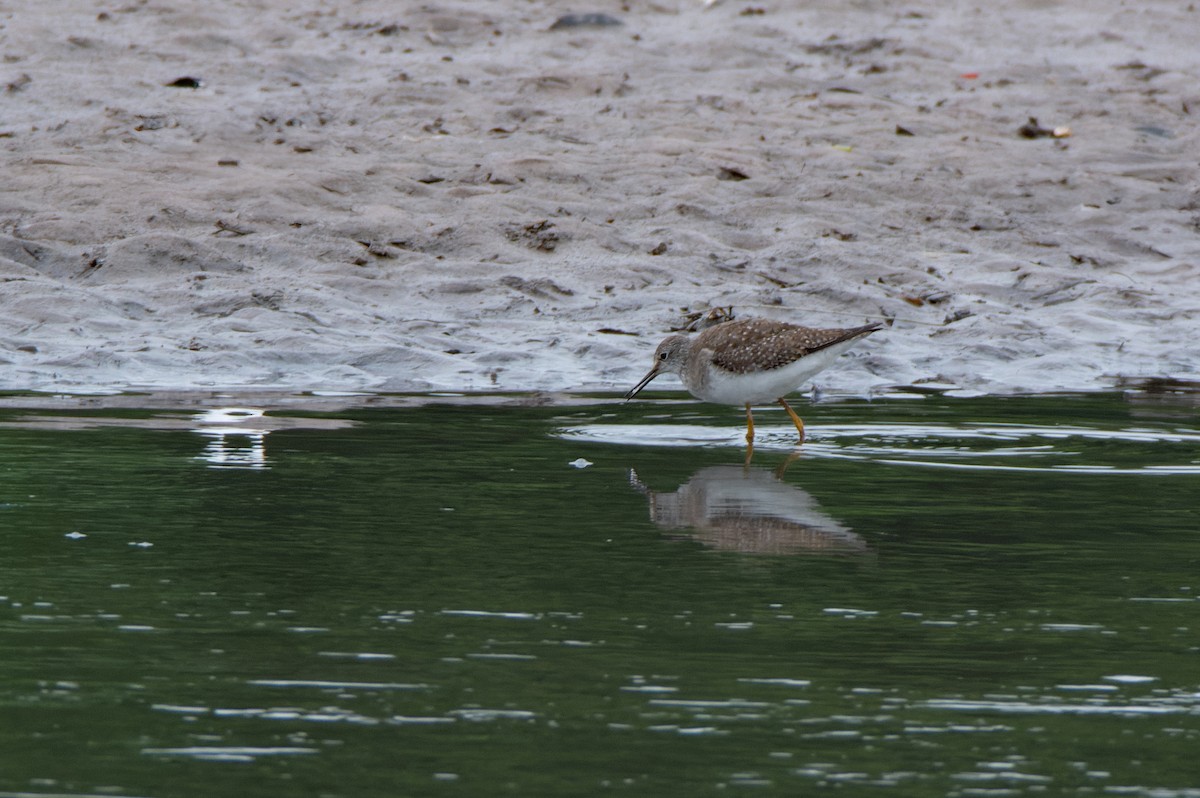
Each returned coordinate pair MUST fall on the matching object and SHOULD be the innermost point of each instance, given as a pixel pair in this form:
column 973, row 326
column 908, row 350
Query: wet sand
column 462, row 196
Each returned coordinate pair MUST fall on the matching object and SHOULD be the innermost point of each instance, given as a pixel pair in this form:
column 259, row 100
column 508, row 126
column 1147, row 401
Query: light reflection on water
column 1096, row 707
column 235, row 441
column 228, row 753
column 655, row 622
column 236, row 436
column 925, row 445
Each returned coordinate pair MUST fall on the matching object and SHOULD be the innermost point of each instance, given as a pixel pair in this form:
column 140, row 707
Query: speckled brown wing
column 750, row 345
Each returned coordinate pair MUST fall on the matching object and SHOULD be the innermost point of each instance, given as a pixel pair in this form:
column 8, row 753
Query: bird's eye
column 662, row 355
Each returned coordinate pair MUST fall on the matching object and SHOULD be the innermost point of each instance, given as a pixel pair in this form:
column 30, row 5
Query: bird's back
column 755, row 345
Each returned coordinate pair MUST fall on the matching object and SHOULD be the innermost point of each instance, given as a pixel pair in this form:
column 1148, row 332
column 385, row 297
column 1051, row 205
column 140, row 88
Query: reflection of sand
column 235, row 437
column 749, row 510
column 450, row 195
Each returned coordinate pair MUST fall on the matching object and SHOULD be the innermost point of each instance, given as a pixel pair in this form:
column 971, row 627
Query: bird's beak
column 654, row 372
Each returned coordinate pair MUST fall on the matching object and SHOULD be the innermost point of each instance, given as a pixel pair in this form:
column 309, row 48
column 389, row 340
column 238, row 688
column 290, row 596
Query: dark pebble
column 1153, row 130
column 585, row 21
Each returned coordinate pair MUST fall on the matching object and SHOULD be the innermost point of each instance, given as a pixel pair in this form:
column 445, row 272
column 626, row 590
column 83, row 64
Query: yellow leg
column 795, row 418
column 749, row 437
column 781, row 471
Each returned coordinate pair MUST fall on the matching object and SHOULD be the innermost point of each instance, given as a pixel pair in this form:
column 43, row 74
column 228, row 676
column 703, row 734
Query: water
column 938, row 597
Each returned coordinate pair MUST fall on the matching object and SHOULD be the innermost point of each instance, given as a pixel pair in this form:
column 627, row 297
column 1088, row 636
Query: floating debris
column 18, row 84
column 1032, row 130
column 696, row 321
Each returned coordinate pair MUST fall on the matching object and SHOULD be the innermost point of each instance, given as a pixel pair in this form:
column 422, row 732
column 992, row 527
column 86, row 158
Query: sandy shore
column 460, row 196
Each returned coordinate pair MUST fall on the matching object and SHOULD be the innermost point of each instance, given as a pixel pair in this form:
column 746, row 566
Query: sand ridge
column 366, row 195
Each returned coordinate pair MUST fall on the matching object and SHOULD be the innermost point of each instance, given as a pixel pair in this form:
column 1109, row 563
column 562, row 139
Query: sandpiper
column 751, row 362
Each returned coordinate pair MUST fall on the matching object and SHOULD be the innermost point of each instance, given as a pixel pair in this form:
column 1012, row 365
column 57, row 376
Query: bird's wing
column 763, row 344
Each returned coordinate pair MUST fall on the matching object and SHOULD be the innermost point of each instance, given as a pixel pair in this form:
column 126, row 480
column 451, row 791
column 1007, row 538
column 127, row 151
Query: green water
column 937, row 598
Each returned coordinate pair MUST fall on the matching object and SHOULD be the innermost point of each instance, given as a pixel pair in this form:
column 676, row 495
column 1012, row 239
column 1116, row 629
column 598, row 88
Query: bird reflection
column 751, row 510
column 236, row 438
column 234, row 449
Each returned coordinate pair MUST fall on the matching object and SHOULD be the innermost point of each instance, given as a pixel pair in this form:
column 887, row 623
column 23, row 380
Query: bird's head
column 669, row 358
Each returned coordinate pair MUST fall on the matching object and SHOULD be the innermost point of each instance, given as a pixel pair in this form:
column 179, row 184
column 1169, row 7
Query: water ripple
column 1024, row 707
column 1071, row 449
column 229, row 753
column 331, row 685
